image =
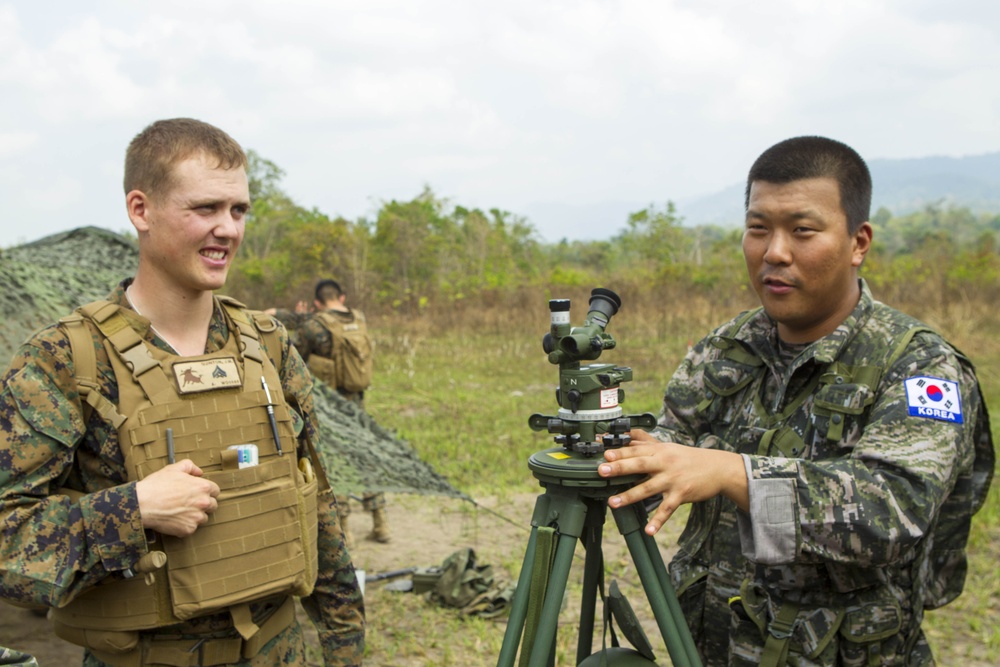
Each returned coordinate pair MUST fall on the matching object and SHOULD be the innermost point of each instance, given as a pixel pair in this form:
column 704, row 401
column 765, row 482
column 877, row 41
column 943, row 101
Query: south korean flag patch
column 934, row 398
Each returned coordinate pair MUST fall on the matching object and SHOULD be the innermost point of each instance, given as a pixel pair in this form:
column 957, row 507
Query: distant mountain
column 902, row 186
column 580, row 222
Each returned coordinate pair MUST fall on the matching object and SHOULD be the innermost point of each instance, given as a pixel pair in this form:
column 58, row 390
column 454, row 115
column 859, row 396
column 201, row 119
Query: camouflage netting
column 46, row 279
column 372, row 457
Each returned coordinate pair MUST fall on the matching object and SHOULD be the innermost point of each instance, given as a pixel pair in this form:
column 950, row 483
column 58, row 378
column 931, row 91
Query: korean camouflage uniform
column 53, row 549
column 839, row 510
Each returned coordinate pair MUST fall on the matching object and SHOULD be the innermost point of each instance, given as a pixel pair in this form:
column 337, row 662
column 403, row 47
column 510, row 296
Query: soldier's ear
column 137, row 205
column 862, row 244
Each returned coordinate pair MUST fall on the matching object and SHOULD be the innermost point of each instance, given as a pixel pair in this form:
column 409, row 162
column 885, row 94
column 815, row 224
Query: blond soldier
column 157, row 481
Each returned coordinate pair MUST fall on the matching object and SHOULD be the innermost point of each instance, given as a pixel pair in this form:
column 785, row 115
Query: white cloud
column 14, row 144
column 500, row 104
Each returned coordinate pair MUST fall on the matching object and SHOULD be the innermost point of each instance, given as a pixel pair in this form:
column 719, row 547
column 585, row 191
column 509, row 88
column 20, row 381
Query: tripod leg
column 673, row 629
column 563, row 509
column 668, row 588
column 549, row 620
column 593, row 569
column 519, row 606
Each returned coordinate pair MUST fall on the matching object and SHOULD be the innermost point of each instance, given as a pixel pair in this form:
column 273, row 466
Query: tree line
column 427, row 252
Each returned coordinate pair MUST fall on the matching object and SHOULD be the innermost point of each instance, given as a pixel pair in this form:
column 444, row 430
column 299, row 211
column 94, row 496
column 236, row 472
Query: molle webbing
column 202, row 429
column 254, row 545
column 261, row 541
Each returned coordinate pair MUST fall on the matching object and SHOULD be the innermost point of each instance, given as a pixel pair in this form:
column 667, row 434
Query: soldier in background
column 833, row 449
column 99, row 519
column 333, row 340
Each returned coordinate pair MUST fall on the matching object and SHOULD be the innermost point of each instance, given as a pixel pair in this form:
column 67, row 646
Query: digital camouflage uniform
column 12, row 658
column 53, row 549
column 841, row 503
column 311, row 337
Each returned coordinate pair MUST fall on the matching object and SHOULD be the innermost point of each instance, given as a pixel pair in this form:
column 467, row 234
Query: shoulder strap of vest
column 81, row 344
column 336, row 329
column 330, row 322
column 130, row 347
column 904, row 340
column 256, row 325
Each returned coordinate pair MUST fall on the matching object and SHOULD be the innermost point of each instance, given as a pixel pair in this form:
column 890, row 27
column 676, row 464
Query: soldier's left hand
column 176, row 499
column 681, row 474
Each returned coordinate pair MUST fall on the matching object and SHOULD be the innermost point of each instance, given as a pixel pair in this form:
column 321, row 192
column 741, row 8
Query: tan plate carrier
column 261, row 542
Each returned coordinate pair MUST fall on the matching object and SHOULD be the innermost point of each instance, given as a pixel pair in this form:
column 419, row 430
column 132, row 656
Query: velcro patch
column 934, row 398
column 207, row 375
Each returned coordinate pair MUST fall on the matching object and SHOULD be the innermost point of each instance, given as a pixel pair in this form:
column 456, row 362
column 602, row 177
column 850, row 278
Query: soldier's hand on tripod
column 682, row 474
column 176, row 499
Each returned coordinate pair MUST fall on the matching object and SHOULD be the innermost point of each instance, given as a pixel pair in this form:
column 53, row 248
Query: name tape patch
column 934, row 398
column 206, row 375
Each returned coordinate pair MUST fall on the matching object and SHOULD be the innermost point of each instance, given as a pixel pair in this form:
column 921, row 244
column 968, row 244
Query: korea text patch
column 934, row 398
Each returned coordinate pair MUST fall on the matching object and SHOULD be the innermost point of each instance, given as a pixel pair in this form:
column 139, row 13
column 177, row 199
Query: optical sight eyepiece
column 605, row 302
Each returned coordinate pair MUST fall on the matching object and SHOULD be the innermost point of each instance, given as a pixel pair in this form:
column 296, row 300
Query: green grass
column 464, row 405
column 462, row 399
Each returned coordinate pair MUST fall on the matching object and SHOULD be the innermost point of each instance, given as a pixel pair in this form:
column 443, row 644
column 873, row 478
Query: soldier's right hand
column 176, row 499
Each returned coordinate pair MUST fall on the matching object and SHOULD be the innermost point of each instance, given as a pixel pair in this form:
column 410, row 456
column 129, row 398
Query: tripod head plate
column 563, row 467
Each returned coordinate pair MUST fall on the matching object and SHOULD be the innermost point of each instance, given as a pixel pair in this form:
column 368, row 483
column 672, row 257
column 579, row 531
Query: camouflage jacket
column 840, row 503
column 53, row 548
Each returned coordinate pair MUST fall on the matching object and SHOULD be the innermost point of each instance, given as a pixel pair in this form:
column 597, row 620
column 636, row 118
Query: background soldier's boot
column 344, row 511
column 380, row 526
column 375, row 503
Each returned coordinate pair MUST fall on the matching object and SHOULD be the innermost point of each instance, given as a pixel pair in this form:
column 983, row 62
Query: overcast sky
column 524, row 105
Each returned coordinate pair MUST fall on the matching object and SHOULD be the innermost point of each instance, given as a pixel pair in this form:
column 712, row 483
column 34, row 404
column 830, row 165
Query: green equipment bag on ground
column 470, row 587
column 9, row 656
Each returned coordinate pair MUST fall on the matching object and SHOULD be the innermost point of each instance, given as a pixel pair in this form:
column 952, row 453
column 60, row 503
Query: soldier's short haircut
column 818, row 157
column 153, row 153
column 328, row 290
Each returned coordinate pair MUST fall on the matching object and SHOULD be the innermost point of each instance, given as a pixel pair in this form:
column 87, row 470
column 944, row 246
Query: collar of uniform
column 218, row 327
column 342, row 314
column 828, row 348
column 761, row 334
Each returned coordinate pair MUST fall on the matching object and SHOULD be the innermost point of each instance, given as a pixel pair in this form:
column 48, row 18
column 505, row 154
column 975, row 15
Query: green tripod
column 574, row 507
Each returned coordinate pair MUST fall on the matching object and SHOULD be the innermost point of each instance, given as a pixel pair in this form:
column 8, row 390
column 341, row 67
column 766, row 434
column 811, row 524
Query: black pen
column 170, row 445
column 270, row 416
